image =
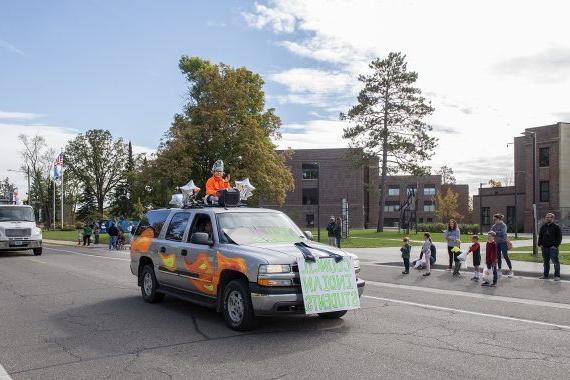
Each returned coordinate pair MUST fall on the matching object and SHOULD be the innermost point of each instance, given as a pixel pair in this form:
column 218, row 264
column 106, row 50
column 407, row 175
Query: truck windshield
column 16, row 214
column 250, row 228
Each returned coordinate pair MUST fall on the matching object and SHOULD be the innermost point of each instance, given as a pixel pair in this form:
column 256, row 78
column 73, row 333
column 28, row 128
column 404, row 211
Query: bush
column 79, row 225
column 69, row 227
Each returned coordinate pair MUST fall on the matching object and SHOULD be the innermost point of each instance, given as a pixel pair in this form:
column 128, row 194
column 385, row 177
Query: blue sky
column 491, row 69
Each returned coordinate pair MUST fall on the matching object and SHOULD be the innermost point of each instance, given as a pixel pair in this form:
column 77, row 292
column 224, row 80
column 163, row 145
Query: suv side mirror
column 201, row 238
column 308, row 234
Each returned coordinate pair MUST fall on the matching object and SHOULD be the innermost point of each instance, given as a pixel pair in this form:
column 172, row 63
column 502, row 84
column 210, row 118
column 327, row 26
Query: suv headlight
column 274, row 268
column 36, row 231
column 356, row 262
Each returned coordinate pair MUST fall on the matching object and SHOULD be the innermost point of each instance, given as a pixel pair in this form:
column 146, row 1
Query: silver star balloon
column 177, row 200
column 245, row 188
column 190, row 188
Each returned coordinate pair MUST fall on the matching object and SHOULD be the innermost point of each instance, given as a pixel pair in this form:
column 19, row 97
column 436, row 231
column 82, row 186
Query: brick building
column 552, row 185
column 326, row 176
column 427, row 187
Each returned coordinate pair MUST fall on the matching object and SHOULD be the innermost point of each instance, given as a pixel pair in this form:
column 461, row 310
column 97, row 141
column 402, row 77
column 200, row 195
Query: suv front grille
column 18, row 232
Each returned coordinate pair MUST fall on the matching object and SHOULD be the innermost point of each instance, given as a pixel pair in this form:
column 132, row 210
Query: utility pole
column 480, row 209
column 318, row 203
column 534, row 211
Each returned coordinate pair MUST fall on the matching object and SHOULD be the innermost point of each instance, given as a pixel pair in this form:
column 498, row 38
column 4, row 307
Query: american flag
column 58, row 166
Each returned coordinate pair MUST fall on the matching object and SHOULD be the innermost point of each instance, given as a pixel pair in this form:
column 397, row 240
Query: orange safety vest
column 214, row 184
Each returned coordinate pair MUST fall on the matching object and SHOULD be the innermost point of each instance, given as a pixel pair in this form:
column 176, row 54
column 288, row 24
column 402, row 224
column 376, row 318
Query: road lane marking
column 3, row 374
column 441, row 308
column 376, row 264
column 86, row 254
column 471, row 295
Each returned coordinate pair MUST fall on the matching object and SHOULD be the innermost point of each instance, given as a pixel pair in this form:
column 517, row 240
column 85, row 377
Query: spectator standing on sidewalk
column 330, row 231
column 451, row 235
column 338, row 231
column 96, row 232
column 500, row 229
column 113, row 232
column 549, row 239
column 87, row 231
column 491, row 258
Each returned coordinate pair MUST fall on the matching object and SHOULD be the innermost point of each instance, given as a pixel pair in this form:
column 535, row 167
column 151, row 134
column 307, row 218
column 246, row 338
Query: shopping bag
column 509, row 245
column 487, row 275
column 462, row 256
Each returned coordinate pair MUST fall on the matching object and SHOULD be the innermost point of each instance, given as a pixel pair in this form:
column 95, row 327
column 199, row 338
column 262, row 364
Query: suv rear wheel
column 38, row 251
column 333, row 314
column 237, row 309
column 150, row 285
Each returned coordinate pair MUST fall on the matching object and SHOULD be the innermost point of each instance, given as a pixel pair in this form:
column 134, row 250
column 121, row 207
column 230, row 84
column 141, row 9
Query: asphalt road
column 77, row 313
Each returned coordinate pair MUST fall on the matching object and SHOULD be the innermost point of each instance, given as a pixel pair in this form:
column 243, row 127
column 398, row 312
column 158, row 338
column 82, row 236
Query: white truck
column 18, row 230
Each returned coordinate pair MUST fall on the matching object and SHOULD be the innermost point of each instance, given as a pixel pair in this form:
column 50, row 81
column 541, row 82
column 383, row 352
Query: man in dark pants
column 549, row 239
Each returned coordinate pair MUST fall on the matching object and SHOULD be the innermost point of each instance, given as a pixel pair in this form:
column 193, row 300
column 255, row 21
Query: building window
column 510, row 215
column 421, row 220
column 391, row 206
column 429, row 190
column 310, row 196
column 544, row 157
column 394, row 190
column 486, row 215
column 310, row 171
column 430, row 220
column 411, row 188
column 429, row 206
column 544, row 191
column 310, row 220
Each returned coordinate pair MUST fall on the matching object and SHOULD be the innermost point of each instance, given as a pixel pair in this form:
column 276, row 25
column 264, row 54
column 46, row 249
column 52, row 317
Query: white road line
column 3, row 374
column 471, row 295
column 375, row 264
column 441, row 308
column 88, row 255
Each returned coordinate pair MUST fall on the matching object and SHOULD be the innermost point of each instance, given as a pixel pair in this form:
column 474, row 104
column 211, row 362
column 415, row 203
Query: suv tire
column 149, row 285
column 333, row 314
column 237, row 307
column 38, row 251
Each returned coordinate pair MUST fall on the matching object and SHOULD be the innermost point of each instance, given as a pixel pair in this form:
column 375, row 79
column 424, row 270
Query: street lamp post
column 318, row 203
column 480, row 209
column 534, row 211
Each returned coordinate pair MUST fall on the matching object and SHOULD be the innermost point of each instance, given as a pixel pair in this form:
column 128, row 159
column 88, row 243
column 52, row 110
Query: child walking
column 456, row 250
column 475, row 249
column 406, row 248
column 426, row 250
column 491, row 258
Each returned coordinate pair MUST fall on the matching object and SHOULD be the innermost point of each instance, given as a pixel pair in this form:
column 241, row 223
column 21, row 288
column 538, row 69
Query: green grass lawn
column 525, row 254
column 70, row 236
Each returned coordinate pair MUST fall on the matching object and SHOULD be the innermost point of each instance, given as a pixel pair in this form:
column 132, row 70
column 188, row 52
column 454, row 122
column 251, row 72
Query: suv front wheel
column 238, row 310
column 149, row 286
column 38, row 251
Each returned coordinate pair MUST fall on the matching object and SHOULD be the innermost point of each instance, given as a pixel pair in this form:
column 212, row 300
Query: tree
column 122, row 199
column 495, row 183
column 446, row 173
column 225, row 118
column 87, row 211
column 98, row 161
column 7, row 189
column 388, row 121
column 446, row 206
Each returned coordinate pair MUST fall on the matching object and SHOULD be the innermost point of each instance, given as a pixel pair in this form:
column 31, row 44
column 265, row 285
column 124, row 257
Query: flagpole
column 62, row 190
column 54, row 203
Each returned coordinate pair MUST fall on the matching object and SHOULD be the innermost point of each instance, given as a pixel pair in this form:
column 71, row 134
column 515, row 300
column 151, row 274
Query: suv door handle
column 184, row 252
column 162, row 250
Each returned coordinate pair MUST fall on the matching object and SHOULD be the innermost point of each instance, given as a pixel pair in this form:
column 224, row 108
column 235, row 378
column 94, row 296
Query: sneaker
column 474, row 278
column 493, row 285
column 556, row 278
column 426, row 274
column 544, row 277
column 405, row 272
column 485, row 284
column 510, row 274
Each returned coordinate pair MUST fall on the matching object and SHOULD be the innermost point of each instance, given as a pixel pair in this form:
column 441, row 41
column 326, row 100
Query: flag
column 58, row 167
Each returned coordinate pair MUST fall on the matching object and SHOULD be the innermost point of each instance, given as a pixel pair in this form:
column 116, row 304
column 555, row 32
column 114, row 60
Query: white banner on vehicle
column 328, row 285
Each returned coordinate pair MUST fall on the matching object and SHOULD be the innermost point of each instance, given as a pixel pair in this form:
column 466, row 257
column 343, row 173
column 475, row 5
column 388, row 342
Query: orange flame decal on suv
column 143, row 242
column 207, row 280
column 169, row 261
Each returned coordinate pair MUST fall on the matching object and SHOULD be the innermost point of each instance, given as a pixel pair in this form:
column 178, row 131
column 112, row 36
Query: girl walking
column 426, row 250
column 451, row 235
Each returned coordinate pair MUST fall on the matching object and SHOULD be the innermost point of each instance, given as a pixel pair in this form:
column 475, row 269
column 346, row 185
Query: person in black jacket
column 113, row 232
column 549, row 239
column 330, row 230
column 338, row 231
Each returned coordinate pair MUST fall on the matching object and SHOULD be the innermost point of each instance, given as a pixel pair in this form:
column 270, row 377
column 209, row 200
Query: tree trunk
column 381, row 201
column 100, row 205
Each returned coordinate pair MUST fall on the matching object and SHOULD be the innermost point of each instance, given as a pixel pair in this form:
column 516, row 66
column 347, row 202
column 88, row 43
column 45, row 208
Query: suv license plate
column 17, row 243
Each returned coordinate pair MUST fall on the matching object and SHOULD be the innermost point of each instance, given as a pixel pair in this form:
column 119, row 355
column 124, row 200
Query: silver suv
column 241, row 261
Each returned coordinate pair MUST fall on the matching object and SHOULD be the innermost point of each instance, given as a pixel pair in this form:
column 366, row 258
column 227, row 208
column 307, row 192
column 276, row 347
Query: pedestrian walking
column 87, row 231
column 330, row 231
column 500, row 229
column 406, row 248
column 491, row 258
column 475, row 249
column 113, row 233
column 451, row 234
column 549, row 240
column 456, row 252
column 338, row 231
column 96, row 231
column 426, row 250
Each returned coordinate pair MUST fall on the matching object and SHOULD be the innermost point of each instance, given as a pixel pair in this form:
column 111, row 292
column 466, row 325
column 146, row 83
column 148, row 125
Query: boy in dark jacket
column 491, row 258
column 406, row 248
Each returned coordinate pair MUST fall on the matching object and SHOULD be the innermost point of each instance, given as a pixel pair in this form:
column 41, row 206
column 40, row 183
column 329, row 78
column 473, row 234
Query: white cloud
column 313, row 80
column 491, row 69
column 5, row 115
column 9, row 47
column 313, row 135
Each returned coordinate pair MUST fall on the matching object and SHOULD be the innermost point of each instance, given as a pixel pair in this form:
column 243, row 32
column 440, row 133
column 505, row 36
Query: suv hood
column 17, row 224
column 288, row 253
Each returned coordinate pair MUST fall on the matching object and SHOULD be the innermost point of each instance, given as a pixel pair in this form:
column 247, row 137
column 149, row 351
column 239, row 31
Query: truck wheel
column 149, row 286
column 38, row 251
column 333, row 314
column 237, row 309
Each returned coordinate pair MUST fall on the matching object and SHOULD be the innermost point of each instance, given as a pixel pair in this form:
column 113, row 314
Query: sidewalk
column 74, row 244
column 392, row 256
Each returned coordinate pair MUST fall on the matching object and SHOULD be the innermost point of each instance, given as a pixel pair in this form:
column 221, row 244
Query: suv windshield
column 250, row 228
column 16, row 214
